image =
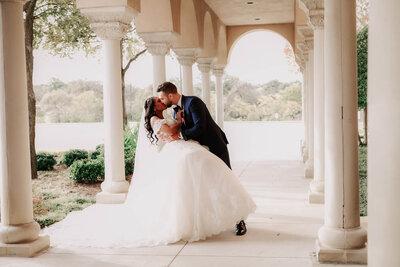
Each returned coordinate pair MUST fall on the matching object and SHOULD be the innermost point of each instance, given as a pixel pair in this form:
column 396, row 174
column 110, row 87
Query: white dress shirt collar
column 180, row 102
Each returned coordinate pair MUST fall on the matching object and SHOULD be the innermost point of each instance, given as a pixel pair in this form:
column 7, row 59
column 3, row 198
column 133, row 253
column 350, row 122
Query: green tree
column 56, row 106
column 132, row 48
column 362, row 69
column 58, row 26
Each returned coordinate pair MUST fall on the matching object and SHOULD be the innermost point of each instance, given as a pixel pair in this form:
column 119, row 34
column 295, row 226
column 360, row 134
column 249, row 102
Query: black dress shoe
column 241, row 228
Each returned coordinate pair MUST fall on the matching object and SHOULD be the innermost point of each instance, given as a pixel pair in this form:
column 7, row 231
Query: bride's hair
column 149, row 112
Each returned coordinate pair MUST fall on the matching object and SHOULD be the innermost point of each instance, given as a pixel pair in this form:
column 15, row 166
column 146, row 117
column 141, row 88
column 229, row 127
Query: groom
column 198, row 125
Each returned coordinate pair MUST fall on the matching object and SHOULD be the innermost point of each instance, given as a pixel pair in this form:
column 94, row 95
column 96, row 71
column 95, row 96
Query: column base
column 330, row 255
column 309, row 170
column 305, row 155
column 29, row 249
column 340, row 238
column 316, row 192
column 315, row 197
column 110, row 198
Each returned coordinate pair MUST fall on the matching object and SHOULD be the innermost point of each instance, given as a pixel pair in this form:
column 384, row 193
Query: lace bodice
column 157, row 126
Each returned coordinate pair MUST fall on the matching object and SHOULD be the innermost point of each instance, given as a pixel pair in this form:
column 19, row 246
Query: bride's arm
column 165, row 128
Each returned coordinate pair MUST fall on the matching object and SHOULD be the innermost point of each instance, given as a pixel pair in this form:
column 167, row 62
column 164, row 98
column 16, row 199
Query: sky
column 256, row 58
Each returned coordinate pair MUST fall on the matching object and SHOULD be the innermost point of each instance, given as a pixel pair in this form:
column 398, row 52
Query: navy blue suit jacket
column 200, row 126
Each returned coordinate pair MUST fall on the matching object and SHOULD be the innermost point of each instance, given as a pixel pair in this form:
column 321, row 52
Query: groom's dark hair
column 168, row 88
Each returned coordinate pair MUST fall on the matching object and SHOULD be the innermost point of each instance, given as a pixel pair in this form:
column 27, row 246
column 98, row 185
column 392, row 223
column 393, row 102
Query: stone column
column 307, row 46
column 158, row 45
column 303, row 116
column 315, row 12
column 305, row 111
column 302, row 57
column 186, row 58
column 341, row 239
column 383, row 134
column 309, row 168
column 218, row 71
column 111, row 25
column 19, row 233
column 204, row 65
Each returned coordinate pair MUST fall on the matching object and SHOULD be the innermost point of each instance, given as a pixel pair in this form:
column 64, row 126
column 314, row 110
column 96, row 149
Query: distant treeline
column 82, row 101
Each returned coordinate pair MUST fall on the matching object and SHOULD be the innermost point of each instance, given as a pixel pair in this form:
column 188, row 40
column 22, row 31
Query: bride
column 179, row 191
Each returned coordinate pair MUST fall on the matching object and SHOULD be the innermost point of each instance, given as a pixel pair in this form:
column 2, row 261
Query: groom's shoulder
column 192, row 99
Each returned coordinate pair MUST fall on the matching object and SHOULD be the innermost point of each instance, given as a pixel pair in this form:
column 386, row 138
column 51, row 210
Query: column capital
column 316, row 18
column 186, row 56
column 310, row 43
column 204, row 63
column 109, row 30
column 15, row 1
column 160, row 49
column 108, row 22
column 305, row 31
column 300, row 61
column 314, row 10
column 218, row 70
column 158, row 43
column 302, row 47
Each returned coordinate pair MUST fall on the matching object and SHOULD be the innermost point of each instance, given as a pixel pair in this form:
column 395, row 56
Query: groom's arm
column 199, row 114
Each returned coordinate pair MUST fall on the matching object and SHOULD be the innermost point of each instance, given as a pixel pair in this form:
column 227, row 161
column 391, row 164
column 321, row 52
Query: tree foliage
column 362, row 67
column 60, row 28
column 268, row 102
column 362, row 14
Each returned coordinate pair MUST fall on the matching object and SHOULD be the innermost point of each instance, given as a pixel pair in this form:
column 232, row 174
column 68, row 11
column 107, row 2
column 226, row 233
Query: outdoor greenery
column 362, row 165
column 45, row 161
column 59, row 27
column 64, row 189
column 82, row 101
column 55, row 195
column 362, row 68
column 87, row 171
column 273, row 101
column 130, row 142
column 74, row 155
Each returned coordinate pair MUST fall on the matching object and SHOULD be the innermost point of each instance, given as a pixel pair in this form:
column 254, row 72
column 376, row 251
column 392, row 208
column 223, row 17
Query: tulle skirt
column 189, row 194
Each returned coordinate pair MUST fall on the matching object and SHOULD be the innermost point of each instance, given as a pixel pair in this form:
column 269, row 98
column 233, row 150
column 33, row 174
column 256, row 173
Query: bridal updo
column 148, row 113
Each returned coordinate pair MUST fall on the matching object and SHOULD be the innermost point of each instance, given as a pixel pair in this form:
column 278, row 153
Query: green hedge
column 74, row 155
column 130, row 142
column 363, row 166
column 87, row 171
column 45, row 161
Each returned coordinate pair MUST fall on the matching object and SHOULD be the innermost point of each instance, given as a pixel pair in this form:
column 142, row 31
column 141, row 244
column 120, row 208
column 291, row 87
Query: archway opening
column 263, row 96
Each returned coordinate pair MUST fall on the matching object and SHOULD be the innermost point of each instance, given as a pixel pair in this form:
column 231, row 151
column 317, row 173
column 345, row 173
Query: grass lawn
column 55, row 195
column 362, row 164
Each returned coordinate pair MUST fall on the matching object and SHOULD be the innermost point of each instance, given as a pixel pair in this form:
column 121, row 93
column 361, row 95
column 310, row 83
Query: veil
column 146, row 154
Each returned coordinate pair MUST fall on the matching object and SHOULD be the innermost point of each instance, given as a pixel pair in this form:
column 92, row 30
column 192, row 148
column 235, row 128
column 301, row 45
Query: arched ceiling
column 250, row 12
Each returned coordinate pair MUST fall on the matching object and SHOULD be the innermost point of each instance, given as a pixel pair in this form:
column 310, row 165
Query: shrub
column 73, row 155
column 98, row 153
column 363, row 167
column 130, row 142
column 87, row 171
column 45, row 161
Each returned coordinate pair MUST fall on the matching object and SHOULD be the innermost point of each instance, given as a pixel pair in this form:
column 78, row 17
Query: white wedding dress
column 179, row 191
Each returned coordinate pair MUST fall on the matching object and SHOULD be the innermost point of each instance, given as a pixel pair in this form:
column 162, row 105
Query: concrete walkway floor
column 281, row 233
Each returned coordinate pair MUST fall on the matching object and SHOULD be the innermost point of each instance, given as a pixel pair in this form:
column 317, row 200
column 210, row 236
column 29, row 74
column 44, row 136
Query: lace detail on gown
column 158, row 124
